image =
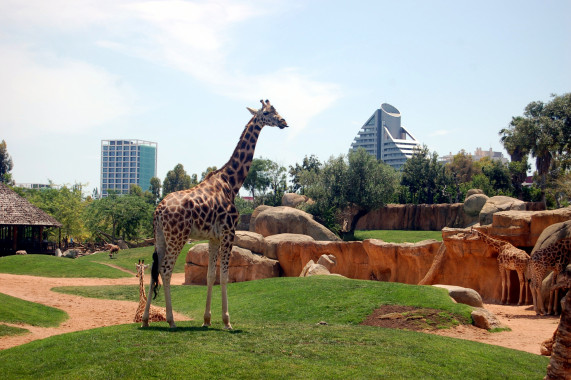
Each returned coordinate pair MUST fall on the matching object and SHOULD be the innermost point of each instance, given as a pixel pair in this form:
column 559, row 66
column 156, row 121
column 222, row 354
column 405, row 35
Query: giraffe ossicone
column 206, row 212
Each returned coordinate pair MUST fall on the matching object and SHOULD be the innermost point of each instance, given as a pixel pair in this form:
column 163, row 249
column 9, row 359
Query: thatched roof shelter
column 22, row 224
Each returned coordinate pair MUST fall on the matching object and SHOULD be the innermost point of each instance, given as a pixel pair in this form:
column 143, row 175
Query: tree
column 498, row 175
column 257, row 178
column 6, row 165
column 296, row 172
column 156, row 189
column 426, row 178
column 346, row 189
column 461, row 167
column 544, row 131
column 205, row 173
column 120, row 216
column 277, row 175
column 65, row 204
column 176, row 180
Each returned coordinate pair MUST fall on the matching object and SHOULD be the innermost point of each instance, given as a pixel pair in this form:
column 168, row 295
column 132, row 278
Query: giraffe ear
column 252, row 111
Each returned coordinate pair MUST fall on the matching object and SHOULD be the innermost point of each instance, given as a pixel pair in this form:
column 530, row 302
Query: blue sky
column 181, row 73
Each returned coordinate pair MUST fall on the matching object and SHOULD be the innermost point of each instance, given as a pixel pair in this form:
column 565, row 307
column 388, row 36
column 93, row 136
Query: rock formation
column 278, row 220
column 499, row 203
column 294, row 200
column 244, row 266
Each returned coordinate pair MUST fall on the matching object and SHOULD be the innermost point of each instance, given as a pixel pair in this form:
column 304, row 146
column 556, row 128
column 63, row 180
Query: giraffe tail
column 155, row 274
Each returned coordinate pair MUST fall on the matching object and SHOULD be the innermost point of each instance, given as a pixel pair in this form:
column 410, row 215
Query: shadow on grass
column 189, row 329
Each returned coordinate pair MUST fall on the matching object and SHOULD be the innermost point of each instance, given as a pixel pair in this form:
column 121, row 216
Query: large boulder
column 473, row 191
column 257, row 211
column 244, row 266
column 294, row 200
column 499, row 203
column 323, row 267
column 251, row 241
column 280, row 220
column 463, row 295
column 485, row 319
column 474, row 204
column 272, row 243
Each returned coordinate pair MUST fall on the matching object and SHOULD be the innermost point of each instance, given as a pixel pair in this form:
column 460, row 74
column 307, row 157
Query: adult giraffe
column 206, row 211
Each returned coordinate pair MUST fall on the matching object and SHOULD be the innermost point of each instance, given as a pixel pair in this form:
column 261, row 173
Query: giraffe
column 554, row 257
column 206, row 211
column 156, row 314
column 509, row 258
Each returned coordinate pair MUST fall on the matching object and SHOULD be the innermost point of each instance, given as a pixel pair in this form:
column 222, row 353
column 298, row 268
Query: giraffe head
column 267, row 115
column 141, row 268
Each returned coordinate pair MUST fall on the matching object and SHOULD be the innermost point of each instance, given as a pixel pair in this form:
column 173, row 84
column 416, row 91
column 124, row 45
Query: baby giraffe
column 157, row 314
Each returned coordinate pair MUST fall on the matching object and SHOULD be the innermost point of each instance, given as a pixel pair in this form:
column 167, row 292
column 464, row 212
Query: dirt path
column 527, row 330
column 527, row 333
column 84, row 313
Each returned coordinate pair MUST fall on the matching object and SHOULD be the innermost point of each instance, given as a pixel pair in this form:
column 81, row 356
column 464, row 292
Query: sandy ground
column 527, row 333
column 84, row 313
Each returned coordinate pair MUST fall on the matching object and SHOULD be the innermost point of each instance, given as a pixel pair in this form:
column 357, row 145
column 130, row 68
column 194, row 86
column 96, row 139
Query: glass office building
column 384, row 137
column 125, row 163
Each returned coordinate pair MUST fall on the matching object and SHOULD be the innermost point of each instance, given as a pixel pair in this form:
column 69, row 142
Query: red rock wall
column 414, row 217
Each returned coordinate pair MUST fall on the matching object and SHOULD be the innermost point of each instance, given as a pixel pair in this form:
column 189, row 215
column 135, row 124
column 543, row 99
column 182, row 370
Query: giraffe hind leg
column 226, row 249
column 213, row 249
column 521, row 286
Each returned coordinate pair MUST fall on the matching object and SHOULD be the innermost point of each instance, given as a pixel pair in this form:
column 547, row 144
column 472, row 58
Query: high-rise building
column 384, row 137
column 125, row 163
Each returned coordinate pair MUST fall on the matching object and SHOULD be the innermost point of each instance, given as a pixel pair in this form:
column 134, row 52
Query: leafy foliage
column 266, row 174
column 177, row 179
column 66, row 204
column 544, row 132
column 126, row 216
column 6, row 165
column 344, row 189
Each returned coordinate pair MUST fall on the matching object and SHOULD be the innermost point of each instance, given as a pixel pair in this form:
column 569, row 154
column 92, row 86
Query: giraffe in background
column 509, row 258
column 206, row 211
column 554, row 257
column 156, row 314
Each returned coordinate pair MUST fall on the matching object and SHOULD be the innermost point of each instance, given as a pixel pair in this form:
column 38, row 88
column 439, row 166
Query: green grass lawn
column 265, row 350
column 9, row 330
column 398, row 236
column 15, row 310
column 291, row 299
column 275, row 336
column 85, row 266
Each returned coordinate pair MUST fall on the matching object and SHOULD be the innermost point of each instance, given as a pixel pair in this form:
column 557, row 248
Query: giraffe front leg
column 503, row 276
column 226, row 249
column 145, row 318
column 168, row 305
column 213, row 247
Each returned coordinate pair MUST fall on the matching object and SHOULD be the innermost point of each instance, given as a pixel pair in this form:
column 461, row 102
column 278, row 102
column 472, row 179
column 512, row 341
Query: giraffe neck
column 142, row 295
column 239, row 164
column 496, row 243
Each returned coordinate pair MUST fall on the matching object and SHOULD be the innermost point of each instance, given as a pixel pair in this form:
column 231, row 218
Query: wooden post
column 15, row 238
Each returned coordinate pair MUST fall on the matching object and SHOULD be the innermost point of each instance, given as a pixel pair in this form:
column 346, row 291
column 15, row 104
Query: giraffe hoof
column 206, row 325
column 228, row 327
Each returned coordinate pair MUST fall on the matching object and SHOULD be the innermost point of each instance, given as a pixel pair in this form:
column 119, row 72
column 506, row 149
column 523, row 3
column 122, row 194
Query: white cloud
column 43, row 94
column 194, row 37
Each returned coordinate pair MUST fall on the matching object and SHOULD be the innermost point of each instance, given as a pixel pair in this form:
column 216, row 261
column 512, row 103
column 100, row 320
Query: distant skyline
column 181, row 73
